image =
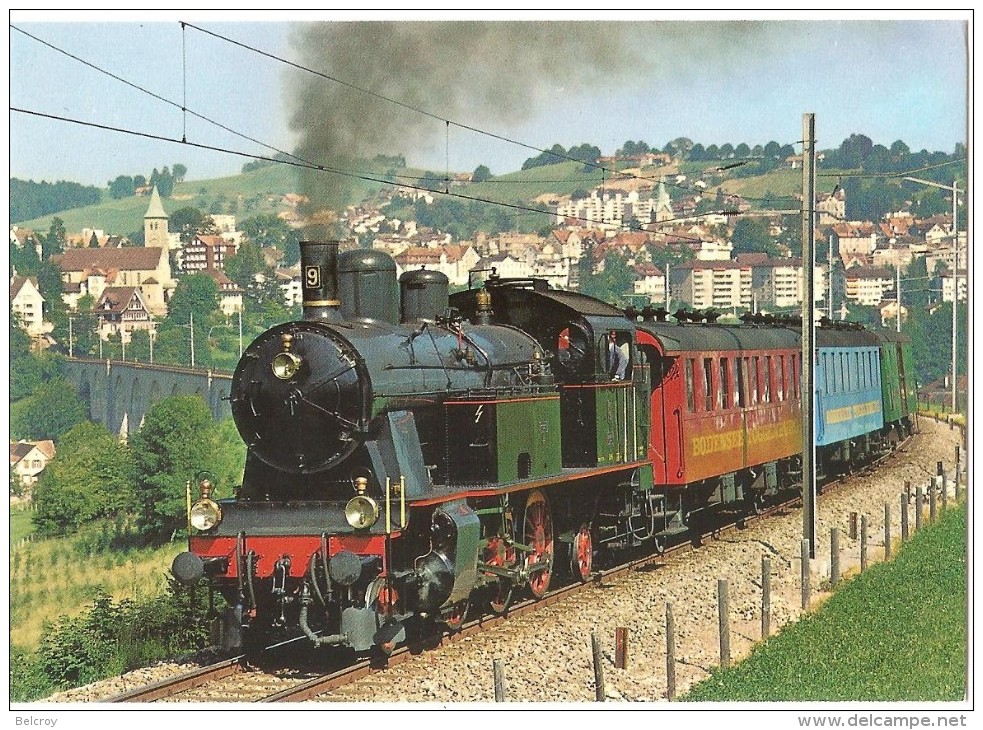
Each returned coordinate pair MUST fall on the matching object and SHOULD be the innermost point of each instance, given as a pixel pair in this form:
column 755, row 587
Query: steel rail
column 182, row 682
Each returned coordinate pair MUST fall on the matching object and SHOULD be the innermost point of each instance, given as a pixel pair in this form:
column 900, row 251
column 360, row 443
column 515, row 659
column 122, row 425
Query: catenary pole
column 808, row 330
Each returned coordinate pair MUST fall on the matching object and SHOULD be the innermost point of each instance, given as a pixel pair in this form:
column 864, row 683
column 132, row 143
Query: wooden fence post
column 670, row 654
column 621, row 648
column 834, row 556
column 723, row 621
column 863, row 543
column 956, row 477
column 598, row 668
column 499, row 680
column 919, row 498
column 887, row 531
column 904, row 515
column 805, row 574
column 765, row 597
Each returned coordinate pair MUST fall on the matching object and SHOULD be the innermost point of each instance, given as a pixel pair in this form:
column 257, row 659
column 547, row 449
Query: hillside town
column 862, row 261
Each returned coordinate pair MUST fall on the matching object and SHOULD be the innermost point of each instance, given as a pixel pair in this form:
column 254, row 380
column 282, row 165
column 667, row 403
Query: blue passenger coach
column 848, row 403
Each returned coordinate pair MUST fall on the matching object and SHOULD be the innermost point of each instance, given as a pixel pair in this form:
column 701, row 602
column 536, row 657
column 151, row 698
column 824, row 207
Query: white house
column 27, row 303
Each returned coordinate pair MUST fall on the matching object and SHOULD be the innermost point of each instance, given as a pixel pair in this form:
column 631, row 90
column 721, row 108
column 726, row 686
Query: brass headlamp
column 286, row 364
column 362, row 511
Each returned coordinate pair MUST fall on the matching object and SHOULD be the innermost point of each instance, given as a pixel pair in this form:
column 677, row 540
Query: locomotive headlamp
column 205, row 514
column 361, row 512
column 286, row 364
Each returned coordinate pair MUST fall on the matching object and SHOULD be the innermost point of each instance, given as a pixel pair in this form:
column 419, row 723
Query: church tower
column 663, row 205
column 155, row 223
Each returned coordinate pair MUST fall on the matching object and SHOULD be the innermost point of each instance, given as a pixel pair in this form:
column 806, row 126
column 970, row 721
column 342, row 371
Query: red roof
column 116, row 299
column 132, row 258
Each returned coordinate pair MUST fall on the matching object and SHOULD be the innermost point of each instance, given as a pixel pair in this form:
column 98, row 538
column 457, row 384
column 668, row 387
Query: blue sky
column 899, row 76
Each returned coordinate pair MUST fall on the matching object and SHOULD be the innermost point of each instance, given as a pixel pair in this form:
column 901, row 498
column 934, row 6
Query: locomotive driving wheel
column 500, row 553
column 582, row 554
column 455, row 615
column 537, row 535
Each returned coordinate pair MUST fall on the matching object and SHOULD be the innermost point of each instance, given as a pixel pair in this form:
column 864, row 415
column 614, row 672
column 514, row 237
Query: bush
column 109, row 639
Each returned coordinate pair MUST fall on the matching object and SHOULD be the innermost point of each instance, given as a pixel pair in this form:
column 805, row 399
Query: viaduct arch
column 119, row 394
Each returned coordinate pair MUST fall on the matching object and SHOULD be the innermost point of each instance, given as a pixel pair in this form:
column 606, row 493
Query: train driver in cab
column 617, row 358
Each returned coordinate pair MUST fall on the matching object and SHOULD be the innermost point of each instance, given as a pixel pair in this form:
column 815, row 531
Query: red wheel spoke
column 538, row 535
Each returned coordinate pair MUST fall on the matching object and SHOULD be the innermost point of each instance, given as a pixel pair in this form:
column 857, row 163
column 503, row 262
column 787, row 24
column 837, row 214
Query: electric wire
column 307, row 164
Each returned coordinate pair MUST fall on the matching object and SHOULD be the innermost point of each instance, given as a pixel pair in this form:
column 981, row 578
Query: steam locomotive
column 412, row 452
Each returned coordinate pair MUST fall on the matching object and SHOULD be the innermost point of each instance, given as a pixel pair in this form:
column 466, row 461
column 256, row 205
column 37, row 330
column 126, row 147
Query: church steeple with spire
column 155, row 234
column 663, row 204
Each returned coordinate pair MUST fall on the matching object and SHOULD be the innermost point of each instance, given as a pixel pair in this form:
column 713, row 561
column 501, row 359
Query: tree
column 122, row 187
column 633, row 149
column 176, row 442
column 90, row 477
column 680, row 146
column 24, row 260
column 752, row 235
column 246, row 264
column 899, row 149
column 50, row 411
column 915, row 286
column 55, row 310
column 179, row 172
column 138, row 349
column 269, row 230
column 28, row 371
column 83, row 328
column 196, row 294
column 481, row 173
column 189, row 222
column 615, row 282
column 742, row 150
column 54, row 242
column 554, row 155
column 230, row 458
column 94, row 240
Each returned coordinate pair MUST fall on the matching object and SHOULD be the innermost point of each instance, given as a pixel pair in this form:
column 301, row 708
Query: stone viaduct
column 119, row 394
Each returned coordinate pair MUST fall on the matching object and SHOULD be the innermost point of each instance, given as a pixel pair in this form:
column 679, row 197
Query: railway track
column 306, row 688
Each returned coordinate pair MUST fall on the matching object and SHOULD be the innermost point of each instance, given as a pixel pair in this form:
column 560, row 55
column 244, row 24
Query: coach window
column 690, row 400
column 796, row 388
column 754, row 380
column 724, row 392
column 739, row 399
column 780, row 380
column 767, row 396
column 828, row 374
column 708, row 383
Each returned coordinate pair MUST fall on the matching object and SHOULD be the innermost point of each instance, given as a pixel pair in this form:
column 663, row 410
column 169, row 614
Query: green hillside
column 245, row 195
column 561, row 179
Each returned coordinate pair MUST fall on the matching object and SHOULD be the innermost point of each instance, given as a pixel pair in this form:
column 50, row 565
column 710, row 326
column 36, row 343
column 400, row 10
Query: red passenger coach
column 725, row 409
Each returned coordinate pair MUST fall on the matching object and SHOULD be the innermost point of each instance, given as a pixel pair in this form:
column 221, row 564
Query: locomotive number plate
column 312, row 277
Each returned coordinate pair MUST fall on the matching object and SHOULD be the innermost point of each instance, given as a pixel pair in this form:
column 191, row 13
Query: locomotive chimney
column 319, row 274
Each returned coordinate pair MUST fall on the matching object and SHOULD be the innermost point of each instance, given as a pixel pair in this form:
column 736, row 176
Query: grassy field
column 60, row 576
column 20, row 524
column 561, row 179
column 897, row 632
column 256, row 192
